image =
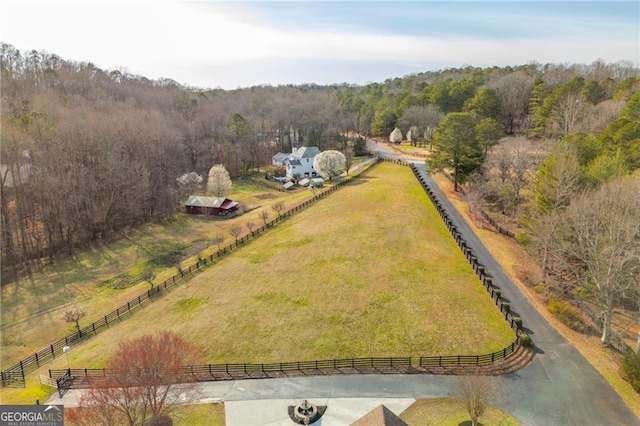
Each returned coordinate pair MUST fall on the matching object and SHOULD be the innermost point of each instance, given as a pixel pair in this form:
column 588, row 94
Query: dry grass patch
column 368, row 271
column 447, row 412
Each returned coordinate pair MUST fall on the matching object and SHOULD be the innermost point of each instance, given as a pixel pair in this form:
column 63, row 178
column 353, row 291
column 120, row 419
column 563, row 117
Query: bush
column 523, row 239
column 568, row 314
column 631, row 370
column 526, row 341
column 505, row 307
column 518, row 321
column 497, row 293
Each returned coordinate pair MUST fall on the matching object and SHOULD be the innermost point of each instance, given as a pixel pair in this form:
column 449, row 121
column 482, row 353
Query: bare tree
column 513, row 92
column 278, row 208
column 235, row 231
column 425, row 118
column 74, row 315
column 250, row 225
column 142, row 383
column 567, row 116
column 601, row 236
column 475, row 394
column 148, row 276
column 218, row 239
column 263, row 215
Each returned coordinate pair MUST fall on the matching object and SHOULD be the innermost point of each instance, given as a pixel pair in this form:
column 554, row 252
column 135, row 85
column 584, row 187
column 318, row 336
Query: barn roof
column 210, row 202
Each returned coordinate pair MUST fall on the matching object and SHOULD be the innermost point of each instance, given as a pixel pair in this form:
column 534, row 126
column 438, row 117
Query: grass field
column 368, row 271
column 32, row 308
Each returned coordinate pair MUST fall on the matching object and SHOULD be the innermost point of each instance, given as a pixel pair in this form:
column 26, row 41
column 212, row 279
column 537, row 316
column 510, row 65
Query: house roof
column 210, row 202
column 294, row 162
column 281, row 156
column 306, row 152
column 379, row 416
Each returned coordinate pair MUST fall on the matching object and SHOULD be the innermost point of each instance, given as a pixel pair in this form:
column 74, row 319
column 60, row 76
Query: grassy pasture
column 32, row 308
column 368, row 271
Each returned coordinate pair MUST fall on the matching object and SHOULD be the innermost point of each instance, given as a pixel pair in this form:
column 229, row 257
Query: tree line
column 87, row 152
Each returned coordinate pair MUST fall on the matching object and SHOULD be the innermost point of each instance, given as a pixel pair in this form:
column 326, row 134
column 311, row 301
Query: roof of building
column 379, row 416
column 210, row 202
column 281, row 156
column 294, row 162
column 306, row 152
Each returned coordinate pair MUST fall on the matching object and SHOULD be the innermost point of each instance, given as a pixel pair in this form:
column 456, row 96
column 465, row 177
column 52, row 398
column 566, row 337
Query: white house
column 299, row 162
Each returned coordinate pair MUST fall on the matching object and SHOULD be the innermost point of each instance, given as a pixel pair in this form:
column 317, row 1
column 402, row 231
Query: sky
column 232, row 44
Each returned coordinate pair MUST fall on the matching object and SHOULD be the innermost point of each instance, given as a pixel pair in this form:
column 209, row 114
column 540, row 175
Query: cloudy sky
column 232, row 44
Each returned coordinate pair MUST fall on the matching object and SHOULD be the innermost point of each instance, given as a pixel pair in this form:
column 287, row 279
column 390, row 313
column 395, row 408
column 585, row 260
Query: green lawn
column 367, row 271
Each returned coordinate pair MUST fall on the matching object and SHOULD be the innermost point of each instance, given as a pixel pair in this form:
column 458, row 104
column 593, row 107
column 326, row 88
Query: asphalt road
column 559, row 387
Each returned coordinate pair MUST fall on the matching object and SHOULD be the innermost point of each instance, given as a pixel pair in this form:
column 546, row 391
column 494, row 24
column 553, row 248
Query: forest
column 87, row 153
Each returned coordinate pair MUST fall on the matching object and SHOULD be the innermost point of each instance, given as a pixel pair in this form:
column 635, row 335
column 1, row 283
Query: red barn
column 213, row 206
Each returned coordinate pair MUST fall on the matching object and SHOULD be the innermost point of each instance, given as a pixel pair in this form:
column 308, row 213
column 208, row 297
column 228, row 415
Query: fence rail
column 480, row 270
column 84, row 377
column 14, row 376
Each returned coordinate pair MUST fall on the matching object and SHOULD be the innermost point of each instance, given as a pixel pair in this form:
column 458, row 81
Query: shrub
column 526, row 341
column 505, row 307
column 497, row 293
column 568, row 314
column 518, row 321
column 540, row 288
column 631, row 370
column 523, row 239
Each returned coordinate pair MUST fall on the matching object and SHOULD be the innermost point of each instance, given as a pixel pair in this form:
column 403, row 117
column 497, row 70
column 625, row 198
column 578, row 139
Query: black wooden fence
column 84, row 377
column 478, row 267
column 14, row 375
